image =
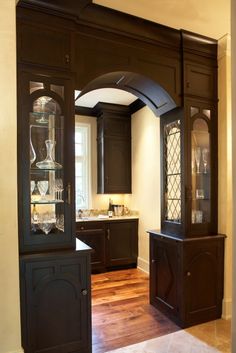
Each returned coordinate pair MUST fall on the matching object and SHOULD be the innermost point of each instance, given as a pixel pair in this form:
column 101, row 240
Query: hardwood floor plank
column 121, row 313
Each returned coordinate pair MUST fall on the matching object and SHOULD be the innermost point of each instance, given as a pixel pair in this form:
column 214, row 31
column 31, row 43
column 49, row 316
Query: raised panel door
column 164, row 275
column 117, row 166
column 44, row 46
column 55, row 304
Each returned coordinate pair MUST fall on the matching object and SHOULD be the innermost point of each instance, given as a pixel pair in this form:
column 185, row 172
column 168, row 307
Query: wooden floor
column 121, row 313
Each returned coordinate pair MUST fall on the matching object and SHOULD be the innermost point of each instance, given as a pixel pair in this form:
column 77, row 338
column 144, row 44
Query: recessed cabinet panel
column 44, row 46
column 164, row 261
column 200, row 81
column 117, row 176
column 122, row 243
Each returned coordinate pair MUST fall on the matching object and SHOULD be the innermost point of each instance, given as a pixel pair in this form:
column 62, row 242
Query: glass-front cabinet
column 46, row 169
column 189, row 171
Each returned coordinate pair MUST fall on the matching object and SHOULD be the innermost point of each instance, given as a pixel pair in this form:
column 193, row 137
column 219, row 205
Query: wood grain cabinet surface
column 55, row 302
column 114, row 243
column 113, row 148
column 186, row 277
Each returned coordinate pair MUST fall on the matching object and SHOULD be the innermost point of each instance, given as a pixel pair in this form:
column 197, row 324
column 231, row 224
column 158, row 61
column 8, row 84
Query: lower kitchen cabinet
column 122, row 243
column 56, row 301
column 114, row 243
column 186, row 277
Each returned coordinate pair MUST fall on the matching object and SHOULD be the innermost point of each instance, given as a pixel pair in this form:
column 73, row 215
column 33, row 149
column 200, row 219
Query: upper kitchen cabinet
column 43, row 45
column 113, row 148
column 45, row 154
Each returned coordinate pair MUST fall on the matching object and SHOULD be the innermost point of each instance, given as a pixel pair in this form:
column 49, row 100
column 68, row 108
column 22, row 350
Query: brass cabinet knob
column 82, row 228
column 154, row 261
column 188, row 274
column 84, row 292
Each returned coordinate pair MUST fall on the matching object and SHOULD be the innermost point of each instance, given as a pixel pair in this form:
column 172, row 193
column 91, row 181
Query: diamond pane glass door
column 200, row 165
column 46, row 146
column 172, row 158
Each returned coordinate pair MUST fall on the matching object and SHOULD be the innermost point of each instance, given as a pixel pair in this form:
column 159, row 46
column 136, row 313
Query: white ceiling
column 207, row 17
column 105, row 95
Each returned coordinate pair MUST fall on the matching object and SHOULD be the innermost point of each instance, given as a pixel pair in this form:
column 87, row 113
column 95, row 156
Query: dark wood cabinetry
column 94, row 235
column 56, row 301
column 122, row 243
column 113, row 148
column 114, row 243
column 52, row 47
column 186, row 277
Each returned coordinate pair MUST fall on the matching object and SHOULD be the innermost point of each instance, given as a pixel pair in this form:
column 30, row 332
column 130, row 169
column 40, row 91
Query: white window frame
column 84, row 194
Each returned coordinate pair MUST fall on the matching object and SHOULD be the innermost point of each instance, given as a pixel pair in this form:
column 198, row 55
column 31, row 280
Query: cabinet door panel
column 52, row 47
column 96, row 240
column 58, row 305
column 122, row 243
column 164, row 275
column 200, row 81
column 117, row 162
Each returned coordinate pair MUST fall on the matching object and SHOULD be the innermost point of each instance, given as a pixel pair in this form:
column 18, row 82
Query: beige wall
column 210, row 18
column 9, row 282
column 233, row 21
column 145, row 195
column 225, row 165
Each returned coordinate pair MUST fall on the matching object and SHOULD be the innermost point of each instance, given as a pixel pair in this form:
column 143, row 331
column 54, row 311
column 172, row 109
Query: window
column 82, row 165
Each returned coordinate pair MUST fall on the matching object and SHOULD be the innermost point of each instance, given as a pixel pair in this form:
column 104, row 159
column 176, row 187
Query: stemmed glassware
column 60, row 222
column 45, row 222
column 58, row 189
column 43, row 188
column 205, row 152
column 197, row 153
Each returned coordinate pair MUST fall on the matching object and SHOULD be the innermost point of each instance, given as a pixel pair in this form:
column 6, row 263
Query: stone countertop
column 105, row 218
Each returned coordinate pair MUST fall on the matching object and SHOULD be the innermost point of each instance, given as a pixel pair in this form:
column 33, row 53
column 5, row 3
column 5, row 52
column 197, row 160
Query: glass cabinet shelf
column 47, row 202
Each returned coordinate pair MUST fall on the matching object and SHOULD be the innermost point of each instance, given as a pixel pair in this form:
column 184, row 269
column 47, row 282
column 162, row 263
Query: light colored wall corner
column 145, row 195
column 225, row 180
column 143, row 265
column 227, row 309
column 10, row 336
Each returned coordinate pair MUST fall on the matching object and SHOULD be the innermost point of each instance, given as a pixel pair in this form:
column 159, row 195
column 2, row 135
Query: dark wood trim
column 85, row 111
column 136, row 105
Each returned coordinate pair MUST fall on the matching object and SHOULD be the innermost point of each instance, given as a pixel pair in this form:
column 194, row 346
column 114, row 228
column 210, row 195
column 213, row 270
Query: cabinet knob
column 82, row 228
column 84, row 292
column 188, row 274
column 154, row 261
column 67, row 57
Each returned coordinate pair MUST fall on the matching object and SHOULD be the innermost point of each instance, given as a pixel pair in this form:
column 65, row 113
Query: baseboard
column 227, row 309
column 143, row 265
column 16, row 351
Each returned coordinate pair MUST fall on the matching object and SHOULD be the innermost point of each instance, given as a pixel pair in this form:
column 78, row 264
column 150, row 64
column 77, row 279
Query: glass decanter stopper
column 48, row 162
column 42, row 119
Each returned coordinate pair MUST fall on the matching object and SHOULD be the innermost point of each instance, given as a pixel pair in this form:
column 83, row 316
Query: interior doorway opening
column 128, row 288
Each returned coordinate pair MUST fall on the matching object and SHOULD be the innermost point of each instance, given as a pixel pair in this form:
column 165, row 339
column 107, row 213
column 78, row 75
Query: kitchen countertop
column 109, row 219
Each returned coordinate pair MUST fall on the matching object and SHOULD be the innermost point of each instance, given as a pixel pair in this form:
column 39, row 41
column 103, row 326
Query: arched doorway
column 145, row 145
